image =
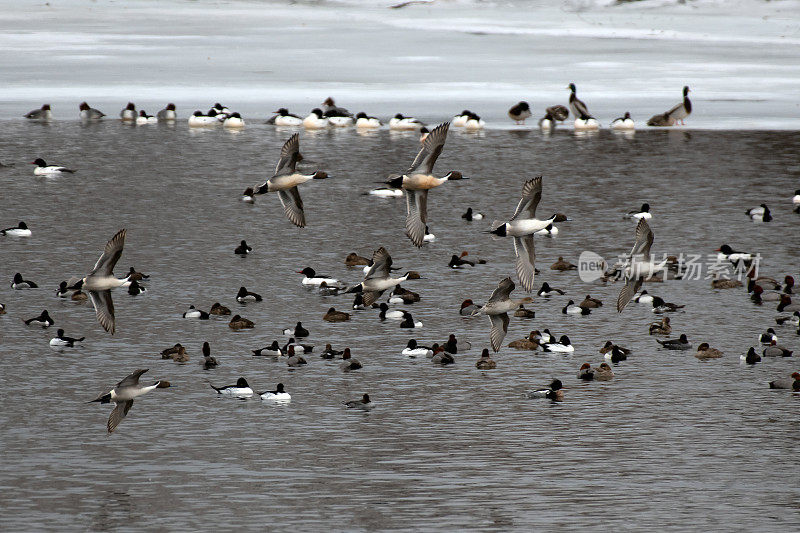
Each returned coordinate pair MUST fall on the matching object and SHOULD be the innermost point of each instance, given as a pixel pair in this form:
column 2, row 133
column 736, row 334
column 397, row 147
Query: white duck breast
column 277, row 395
column 474, row 123
column 587, row 124
column 459, row 121
column 399, row 122
column 623, row 123
column 564, row 346
column 340, row 122
column 363, row 121
column 417, row 352
column 315, row 121
column 547, row 123
column 386, row 192
column 233, row 121
column 199, row 120
column 288, row 120
column 21, row 230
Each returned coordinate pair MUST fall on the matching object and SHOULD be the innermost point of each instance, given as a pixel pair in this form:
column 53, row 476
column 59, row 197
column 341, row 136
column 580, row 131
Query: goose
column 286, row 180
column 497, row 308
column 123, row 395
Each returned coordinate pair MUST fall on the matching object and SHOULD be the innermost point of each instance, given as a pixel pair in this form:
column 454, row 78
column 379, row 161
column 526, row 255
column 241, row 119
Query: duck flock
column 381, row 290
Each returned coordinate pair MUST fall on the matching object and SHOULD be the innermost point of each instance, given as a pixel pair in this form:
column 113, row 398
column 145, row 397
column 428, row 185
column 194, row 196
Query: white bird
column 286, row 180
column 278, row 395
column 315, row 120
column 43, row 169
column 123, row 395
column 20, row 230
column 623, row 123
column 497, row 308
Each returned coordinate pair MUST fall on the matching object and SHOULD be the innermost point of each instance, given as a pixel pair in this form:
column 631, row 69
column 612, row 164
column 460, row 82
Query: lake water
column 670, row 443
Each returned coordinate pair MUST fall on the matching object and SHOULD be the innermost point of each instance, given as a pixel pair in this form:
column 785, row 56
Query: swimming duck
column 520, row 112
column 773, row 350
column 315, row 120
column 198, row 120
column 681, row 343
column 43, row 320
column 471, row 215
column 794, row 318
column 590, row 303
column 562, row 346
column 60, row 341
column 123, row 395
column 19, row 283
column 243, row 248
column 524, row 313
column 350, row 363
column 144, row 118
column 768, row 337
column 787, row 305
column 246, row 296
column 336, row 316
column 353, row 259
column 547, row 122
column 788, row 287
column 220, row 110
column 705, row 352
column 458, row 261
column 312, row 278
column 643, row 212
column 485, row 362
column 724, row 283
column 623, row 123
column 304, row 348
column 458, row 121
column 403, row 296
column 241, row 389
column 562, row 265
column 428, row 237
column 294, row 360
column 167, row 353
column 329, row 352
column 233, row 121
column 238, row 322
column 332, row 110
column 363, row 404
column 681, row 110
column 558, row 112
column 134, row 289
column 219, row 310
column 531, row 342
column 377, row 278
column 572, row 309
column 451, row 344
column 20, row 230
column 441, row 357
column 277, row 395
column 89, row 113
column 43, row 169
column 43, row 114
column 603, row 372
column 179, row 354
column 408, row 321
column 751, row 357
column 660, row 306
column 2, row 309
column 387, row 313
column 366, row 122
column 547, row 291
column 467, row 308
column 497, row 308
column 412, row 349
column 792, row 382
column 193, row 312
column 555, row 392
column 63, row 291
column 726, row 253
column 208, row 361
column 399, row 122
column 79, row 296
column 640, row 267
column 616, row 354
column 129, row 113
column 167, row 114
column 585, row 372
column 759, row 214
column 282, row 117
column 273, row 350
column 297, row 331
column 522, row 230
column 608, row 346
column 474, row 123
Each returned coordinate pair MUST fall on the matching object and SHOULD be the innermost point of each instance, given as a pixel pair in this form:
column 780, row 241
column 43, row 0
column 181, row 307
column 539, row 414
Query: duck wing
column 631, row 287
column 531, row 195
column 431, row 149
column 381, row 264
column 105, row 265
column 499, row 330
column 289, row 153
column 417, row 215
column 293, row 206
column 104, row 309
column 119, row 412
column 526, row 256
column 644, row 240
column 502, row 291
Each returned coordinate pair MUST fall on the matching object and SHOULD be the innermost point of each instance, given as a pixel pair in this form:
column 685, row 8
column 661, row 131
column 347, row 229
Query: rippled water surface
column 670, row 443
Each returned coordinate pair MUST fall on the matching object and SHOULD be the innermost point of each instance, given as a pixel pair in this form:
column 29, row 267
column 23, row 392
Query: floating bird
column 441, row 357
column 681, row 343
column 419, row 179
column 460, row 120
column 377, row 278
column 548, row 291
column 412, row 349
column 332, row 110
column 458, row 261
column 520, row 112
column 246, row 296
column 562, row 346
column 89, row 113
column 555, row 392
column 660, row 306
column 768, row 337
column 101, row 280
column 364, row 404
column 350, row 363
column 608, row 346
column 304, row 348
column 585, row 372
column 20, row 230
column 751, row 357
column 524, row 313
column 393, row 314
column 144, row 118
column 640, row 265
column 399, row 122
column 773, row 350
column 562, row 265
column 497, row 309
column 590, row 303
column 522, row 230
column 547, row 122
column 683, row 109
column 134, row 289
column 643, row 212
column 623, row 123
column 241, row 389
column 238, row 322
column 273, row 350
column 336, row 316
column 792, row 382
column 19, row 283
column 60, row 341
column 286, row 180
column 297, row 331
column 409, row 322
column 485, row 362
column 123, row 395
column 277, row 395
column 471, row 215
column 603, row 372
column 282, row 117
column 294, row 360
column 787, row 305
column 705, row 352
column 572, row 309
column 129, row 113
column 234, row 121
column 353, row 259
column 219, row 310
column 167, row 114
column 43, row 113
column 243, row 249
column 366, row 122
column 43, row 320
column 43, row 169
column 193, row 312
column 759, row 214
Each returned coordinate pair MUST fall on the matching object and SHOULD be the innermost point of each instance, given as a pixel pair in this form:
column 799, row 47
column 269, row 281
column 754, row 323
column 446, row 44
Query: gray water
column 670, row 443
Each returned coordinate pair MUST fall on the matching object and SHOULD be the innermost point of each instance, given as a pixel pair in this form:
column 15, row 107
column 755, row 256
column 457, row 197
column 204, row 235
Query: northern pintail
column 497, row 308
column 123, row 395
column 641, row 265
column 378, row 277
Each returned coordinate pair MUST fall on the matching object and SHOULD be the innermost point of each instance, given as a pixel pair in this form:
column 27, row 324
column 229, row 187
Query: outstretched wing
column 118, row 414
column 499, row 330
column 293, row 206
column 627, row 292
column 104, row 309
column 381, row 263
column 431, row 149
column 416, row 204
column 105, row 265
column 526, row 257
column 132, row 378
column 370, row 297
column 502, row 291
column 531, row 194
column 289, row 153
column 644, row 239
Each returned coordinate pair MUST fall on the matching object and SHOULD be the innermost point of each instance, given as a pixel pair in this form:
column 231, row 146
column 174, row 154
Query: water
column 670, row 443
